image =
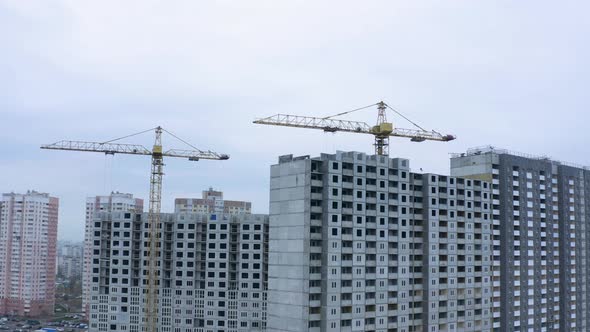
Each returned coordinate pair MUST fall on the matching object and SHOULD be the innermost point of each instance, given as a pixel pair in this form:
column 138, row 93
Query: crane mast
column 157, row 172
column 155, row 207
column 382, row 131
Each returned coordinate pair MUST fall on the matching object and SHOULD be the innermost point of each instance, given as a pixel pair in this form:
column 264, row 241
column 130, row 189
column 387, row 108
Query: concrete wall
column 288, row 286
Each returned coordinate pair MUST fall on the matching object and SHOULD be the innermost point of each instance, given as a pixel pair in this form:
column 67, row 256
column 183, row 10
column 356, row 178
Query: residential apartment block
column 115, row 202
column 28, row 238
column 212, row 272
column 70, row 258
column 541, row 252
column 211, row 202
column 360, row 243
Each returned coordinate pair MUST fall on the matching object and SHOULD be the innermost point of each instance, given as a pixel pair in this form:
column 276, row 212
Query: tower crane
column 382, row 130
column 157, row 172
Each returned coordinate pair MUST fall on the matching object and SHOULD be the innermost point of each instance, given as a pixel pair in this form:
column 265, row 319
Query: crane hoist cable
column 403, row 116
column 348, row 112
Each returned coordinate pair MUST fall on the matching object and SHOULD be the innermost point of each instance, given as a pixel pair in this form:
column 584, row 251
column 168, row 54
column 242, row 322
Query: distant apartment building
column 360, row 243
column 28, row 238
column 541, row 210
column 70, row 257
column 211, row 202
column 212, row 272
column 115, row 202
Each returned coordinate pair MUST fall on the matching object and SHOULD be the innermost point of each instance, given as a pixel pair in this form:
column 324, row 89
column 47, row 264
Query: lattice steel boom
column 157, row 172
column 382, row 131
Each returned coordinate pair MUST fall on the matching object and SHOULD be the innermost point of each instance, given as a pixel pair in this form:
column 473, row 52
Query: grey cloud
column 511, row 74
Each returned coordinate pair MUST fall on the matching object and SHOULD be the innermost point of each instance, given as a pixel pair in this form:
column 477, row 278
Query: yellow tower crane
column 382, row 130
column 157, row 154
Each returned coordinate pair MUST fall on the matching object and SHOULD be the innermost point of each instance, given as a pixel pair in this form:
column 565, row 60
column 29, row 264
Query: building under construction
column 360, row 243
column 115, row 202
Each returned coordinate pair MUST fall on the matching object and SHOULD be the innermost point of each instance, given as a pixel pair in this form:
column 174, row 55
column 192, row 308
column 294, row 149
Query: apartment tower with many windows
column 115, row 202
column 28, row 240
column 541, row 210
column 360, row 243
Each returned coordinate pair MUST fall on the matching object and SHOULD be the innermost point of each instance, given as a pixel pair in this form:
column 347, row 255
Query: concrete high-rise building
column 212, row 272
column 541, row 210
column 115, row 202
column 360, row 243
column 28, row 239
column 70, row 257
column 211, row 202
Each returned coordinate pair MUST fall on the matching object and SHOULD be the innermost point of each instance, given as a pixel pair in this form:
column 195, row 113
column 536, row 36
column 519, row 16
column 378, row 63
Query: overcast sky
column 513, row 74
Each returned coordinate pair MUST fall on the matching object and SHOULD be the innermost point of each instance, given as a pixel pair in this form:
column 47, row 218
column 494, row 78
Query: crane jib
column 381, row 131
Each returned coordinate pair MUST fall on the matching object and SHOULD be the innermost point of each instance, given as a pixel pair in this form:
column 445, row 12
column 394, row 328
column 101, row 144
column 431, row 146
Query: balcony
column 317, row 183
